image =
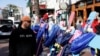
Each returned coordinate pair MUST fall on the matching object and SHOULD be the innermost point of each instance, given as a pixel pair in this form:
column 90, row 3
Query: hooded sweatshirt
column 22, row 42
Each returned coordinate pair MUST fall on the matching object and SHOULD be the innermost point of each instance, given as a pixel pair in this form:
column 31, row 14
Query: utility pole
column 36, row 8
column 69, row 6
column 30, row 7
column 36, row 4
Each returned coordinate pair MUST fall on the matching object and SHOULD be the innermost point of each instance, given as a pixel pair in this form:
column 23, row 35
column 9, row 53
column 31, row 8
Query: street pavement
column 4, row 47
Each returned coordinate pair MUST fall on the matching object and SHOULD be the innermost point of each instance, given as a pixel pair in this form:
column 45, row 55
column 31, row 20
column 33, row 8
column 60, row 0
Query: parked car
column 16, row 23
column 6, row 27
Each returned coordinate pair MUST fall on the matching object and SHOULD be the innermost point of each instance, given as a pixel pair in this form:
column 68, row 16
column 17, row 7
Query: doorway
column 80, row 13
column 88, row 12
column 97, row 9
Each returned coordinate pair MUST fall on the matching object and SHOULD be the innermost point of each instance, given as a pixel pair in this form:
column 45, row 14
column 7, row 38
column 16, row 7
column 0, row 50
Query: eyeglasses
column 28, row 21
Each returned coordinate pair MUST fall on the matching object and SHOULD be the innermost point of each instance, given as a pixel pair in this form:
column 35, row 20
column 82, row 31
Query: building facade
column 84, row 7
column 45, row 6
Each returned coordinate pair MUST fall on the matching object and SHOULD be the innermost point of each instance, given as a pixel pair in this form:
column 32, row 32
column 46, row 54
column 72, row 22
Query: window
column 97, row 1
column 80, row 13
column 88, row 11
column 89, row 2
column 97, row 9
column 41, row 1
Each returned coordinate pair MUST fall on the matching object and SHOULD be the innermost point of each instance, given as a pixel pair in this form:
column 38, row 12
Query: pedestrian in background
column 22, row 41
column 79, row 23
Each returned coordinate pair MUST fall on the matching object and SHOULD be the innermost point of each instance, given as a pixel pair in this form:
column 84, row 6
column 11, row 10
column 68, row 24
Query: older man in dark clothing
column 22, row 40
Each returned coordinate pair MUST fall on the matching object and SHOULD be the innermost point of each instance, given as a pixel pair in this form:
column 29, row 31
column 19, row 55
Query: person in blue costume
column 42, row 33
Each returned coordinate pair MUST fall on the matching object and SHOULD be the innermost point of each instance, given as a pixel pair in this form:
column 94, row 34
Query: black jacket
column 22, row 42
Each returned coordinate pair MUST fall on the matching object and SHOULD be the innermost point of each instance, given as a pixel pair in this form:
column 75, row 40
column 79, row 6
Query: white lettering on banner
column 22, row 36
column 27, row 36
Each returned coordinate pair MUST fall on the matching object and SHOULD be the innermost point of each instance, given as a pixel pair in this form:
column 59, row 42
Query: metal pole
column 31, row 8
column 69, row 6
column 68, row 12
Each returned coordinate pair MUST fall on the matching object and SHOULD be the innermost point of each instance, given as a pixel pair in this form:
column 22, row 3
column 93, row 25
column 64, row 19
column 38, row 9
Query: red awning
column 42, row 6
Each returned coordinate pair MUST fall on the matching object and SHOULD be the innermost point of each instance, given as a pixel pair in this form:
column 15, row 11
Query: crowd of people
column 50, row 39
